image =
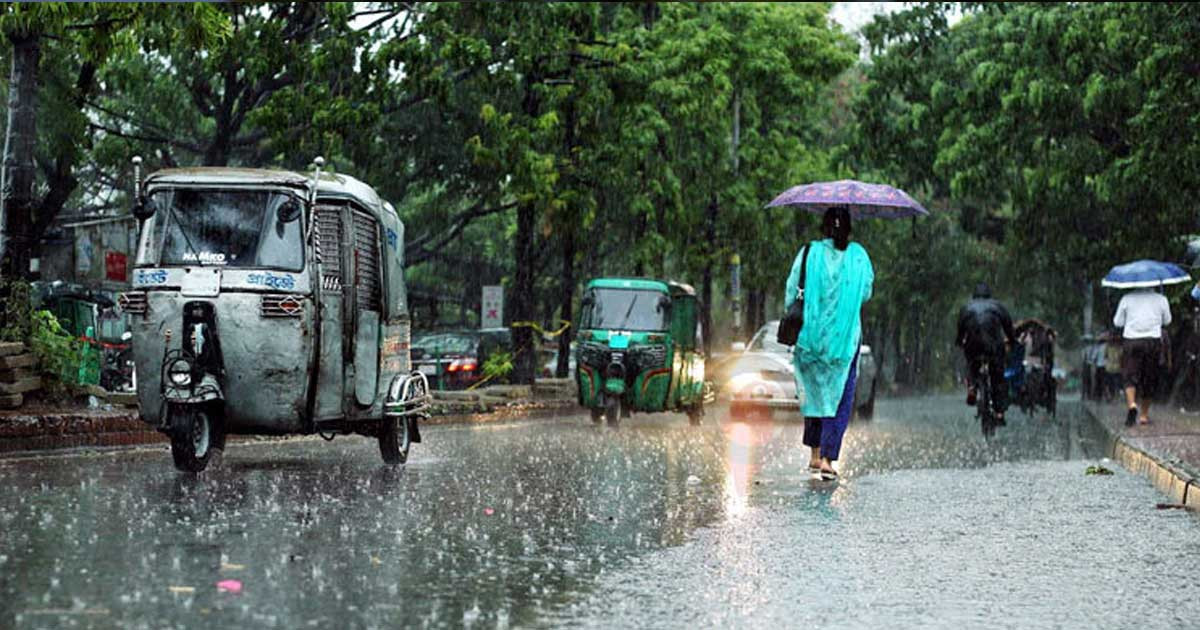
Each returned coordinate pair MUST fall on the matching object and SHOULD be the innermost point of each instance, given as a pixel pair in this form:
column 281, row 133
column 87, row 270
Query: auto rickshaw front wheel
column 394, row 440
column 597, row 415
column 194, row 437
column 612, row 410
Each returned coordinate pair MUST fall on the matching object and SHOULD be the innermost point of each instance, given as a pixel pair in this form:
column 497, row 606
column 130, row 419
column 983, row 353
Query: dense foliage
column 536, row 145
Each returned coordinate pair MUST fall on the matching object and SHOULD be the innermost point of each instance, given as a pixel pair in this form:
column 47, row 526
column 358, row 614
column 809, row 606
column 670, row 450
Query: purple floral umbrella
column 863, row 200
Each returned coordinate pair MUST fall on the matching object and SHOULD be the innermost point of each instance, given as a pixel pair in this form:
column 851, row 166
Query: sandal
column 829, row 475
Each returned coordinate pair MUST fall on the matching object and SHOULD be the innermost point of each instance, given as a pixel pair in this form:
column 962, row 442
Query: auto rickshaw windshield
column 625, row 309
column 112, row 326
column 230, row 228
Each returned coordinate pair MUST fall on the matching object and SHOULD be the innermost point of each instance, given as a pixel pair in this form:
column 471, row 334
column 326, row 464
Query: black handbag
column 793, row 318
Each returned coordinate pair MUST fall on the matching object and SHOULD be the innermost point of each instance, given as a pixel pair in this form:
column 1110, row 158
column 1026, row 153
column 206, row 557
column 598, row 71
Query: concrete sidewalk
column 1167, row 450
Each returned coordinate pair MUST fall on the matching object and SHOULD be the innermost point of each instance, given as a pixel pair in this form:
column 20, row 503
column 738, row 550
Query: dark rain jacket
column 983, row 327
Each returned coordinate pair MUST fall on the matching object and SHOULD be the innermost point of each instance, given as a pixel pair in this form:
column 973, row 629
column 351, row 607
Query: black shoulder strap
column 803, row 270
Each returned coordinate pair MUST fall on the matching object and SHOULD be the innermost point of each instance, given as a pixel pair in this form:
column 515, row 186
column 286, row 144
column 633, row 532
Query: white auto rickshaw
column 270, row 302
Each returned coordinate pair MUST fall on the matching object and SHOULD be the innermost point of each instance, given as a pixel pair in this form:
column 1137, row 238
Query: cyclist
column 985, row 332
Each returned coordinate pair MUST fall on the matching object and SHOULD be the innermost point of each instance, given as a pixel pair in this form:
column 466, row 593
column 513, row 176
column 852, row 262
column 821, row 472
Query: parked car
column 455, row 359
column 550, row 364
column 761, row 377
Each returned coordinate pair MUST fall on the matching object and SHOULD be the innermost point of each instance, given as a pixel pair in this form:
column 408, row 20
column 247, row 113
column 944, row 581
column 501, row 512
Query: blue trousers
column 827, row 433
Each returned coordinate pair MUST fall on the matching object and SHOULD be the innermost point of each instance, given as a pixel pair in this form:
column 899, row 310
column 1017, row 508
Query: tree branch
column 424, row 247
column 155, row 139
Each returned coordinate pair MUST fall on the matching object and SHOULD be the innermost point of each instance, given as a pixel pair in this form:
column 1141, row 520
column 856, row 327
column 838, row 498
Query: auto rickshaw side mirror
column 144, row 208
column 664, row 304
column 288, row 212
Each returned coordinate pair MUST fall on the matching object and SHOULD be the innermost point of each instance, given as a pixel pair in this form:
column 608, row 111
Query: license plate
column 201, row 282
column 428, row 370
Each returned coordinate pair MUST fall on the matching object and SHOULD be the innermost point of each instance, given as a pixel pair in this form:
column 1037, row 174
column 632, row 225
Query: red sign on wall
column 114, row 266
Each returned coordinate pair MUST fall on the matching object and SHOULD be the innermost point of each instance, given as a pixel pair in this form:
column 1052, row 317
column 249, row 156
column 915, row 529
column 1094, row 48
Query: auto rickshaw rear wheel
column 597, row 415
column 195, row 436
column 394, row 440
column 695, row 414
column 612, row 410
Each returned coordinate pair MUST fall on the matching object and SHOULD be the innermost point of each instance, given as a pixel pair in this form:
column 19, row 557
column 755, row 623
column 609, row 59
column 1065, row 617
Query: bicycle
column 983, row 400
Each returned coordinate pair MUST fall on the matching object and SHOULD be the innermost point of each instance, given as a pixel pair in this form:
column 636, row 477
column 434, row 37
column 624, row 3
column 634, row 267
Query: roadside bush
column 498, row 367
column 57, row 351
column 15, row 310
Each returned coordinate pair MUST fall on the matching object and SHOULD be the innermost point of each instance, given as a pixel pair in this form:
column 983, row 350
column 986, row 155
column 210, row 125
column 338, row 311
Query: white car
column 761, row 376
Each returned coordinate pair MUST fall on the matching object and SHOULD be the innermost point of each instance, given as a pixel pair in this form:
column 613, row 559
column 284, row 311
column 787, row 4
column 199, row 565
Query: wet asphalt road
column 557, row 523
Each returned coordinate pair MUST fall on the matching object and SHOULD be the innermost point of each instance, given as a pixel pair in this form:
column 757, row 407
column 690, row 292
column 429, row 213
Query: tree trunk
column 523, row 298
column 61, row 181
column 898, row 371
column 20, row 144
column 525, row 359
column 650, row 14
column 710, row 238
column 566, row 310
column 1089, row 297
column 755, row 311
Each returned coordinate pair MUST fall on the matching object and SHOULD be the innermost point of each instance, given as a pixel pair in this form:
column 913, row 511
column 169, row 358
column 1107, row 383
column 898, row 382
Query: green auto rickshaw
column 639, row 349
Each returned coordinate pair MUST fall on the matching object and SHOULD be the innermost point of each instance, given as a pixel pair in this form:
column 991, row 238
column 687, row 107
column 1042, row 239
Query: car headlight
column 179, row 373
column 753, row 386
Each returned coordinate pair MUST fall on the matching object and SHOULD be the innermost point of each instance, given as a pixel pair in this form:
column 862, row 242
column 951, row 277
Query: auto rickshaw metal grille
column 366, row 261
column 649, row 357
column 592, row 354
column 329, row 239
column 281, row 306
column 133, row 302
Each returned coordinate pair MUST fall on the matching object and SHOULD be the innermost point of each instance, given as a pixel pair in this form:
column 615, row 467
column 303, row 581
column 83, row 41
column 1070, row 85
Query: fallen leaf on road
column 182, row 589
column 230, row 586
column 227, row 566
column 376, row 560
column 1097, row 470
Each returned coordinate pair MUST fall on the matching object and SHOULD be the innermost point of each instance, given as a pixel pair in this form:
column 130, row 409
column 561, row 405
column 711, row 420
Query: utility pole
column 735, row 290
column 735, row 261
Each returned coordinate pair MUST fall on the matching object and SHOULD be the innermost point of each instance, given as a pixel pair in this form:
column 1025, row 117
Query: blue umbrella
column 1143, row 274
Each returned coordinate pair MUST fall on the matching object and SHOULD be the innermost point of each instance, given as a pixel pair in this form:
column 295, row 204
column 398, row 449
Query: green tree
column 57, row 50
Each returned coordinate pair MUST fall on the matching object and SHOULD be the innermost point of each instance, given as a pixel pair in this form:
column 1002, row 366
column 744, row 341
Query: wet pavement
column 559, row 523
column 1172, row 436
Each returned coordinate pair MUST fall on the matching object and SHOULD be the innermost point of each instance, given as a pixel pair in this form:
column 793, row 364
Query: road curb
column 31, row 434
column 1175, row 481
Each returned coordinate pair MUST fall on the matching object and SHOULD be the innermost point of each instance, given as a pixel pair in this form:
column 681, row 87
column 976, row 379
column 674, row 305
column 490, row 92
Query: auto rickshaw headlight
column 616, row 369
column 179, row 373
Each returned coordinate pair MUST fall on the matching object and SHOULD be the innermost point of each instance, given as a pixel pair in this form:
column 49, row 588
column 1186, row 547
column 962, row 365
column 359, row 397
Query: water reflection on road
column 559, row 523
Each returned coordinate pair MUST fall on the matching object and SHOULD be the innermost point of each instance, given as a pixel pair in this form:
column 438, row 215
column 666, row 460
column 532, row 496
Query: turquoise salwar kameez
column 838, row 283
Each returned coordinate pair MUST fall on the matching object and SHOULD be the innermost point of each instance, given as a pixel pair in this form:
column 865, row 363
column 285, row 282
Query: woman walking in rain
column 837, row 283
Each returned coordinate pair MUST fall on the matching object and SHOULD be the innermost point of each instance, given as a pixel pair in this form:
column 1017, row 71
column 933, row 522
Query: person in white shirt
column 1142, row 313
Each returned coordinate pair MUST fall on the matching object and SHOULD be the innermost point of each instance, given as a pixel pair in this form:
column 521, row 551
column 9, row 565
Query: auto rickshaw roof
column 679, row 288
column 329, row 184
column 642, row 284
